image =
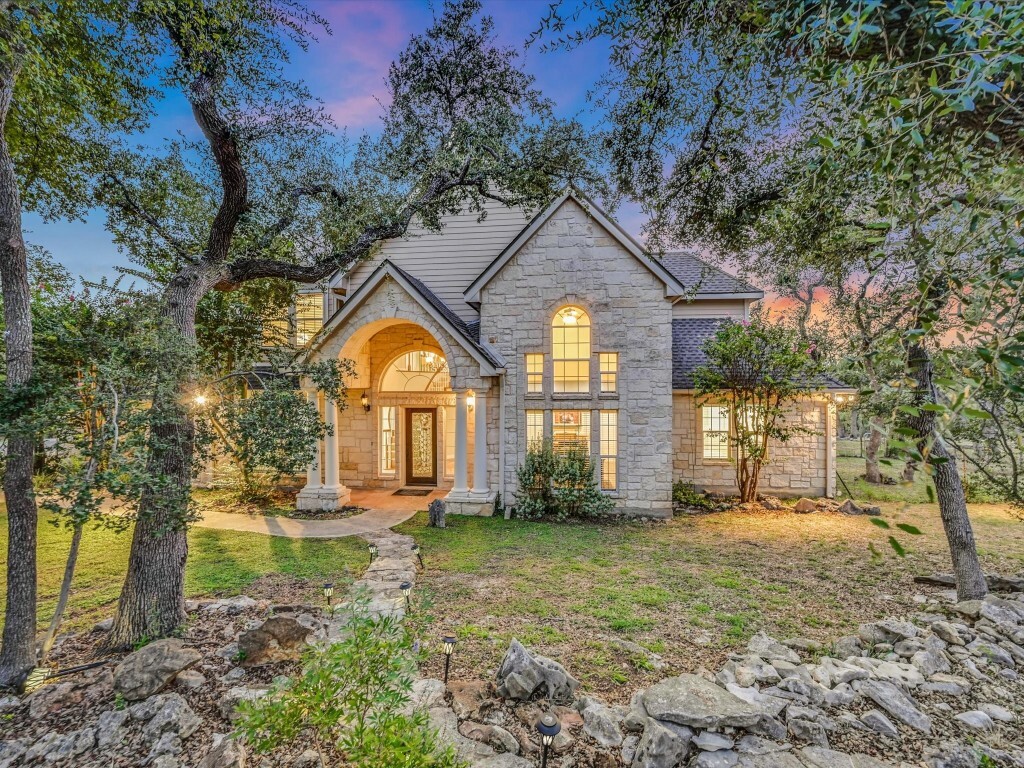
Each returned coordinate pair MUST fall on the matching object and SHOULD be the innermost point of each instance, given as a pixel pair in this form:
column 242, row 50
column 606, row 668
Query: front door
column 421, row 446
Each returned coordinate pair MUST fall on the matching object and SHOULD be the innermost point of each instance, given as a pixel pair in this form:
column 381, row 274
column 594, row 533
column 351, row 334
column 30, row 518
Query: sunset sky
column 346, row 70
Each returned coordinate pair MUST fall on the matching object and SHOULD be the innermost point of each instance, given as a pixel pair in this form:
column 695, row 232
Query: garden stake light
column 406, row 588
column 548, row 727
column 449, row 646
column 416, row 551
column 373, row 552
column 328, row 592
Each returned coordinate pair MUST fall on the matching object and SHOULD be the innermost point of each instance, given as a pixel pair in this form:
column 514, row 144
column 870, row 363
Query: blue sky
column 346, row 71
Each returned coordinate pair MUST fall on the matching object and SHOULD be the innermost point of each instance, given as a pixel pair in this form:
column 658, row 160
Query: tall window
column 388, row 434
column 309, row 316
column 609, row 450
column 417, row 372
column 716, row 431
column 534, row 429
column 570, row 346
column 570, row 429
column 609, row 362
column 534, row 374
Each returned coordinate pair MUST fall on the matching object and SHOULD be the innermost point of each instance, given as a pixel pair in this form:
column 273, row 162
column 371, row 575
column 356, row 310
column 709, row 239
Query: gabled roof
column 688, row 336
column 673, row 288
column 467, row 334
column 710, row 281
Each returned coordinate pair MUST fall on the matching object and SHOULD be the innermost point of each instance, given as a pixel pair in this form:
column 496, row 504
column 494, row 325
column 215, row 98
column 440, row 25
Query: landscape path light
column 548, row 727
column 416, row 551
column 328, row 593
column 406, row 588
column 373, row 551
column 448, row 643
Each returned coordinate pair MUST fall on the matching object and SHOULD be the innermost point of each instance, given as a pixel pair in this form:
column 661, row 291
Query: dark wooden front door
column 421, row 446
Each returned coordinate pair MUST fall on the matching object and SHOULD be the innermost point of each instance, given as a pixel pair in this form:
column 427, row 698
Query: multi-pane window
column 609, row 438
column 715, row 428
column 534, row 429
column 609, row 362
column 534, row 374
column 309, row 316
column 570, row 429
column 570, row 347
column 388, row 434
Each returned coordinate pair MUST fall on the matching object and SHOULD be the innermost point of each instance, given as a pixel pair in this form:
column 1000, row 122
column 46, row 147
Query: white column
column 313, row 470
column 331, row 451
column 480, row 447
column 461, row 424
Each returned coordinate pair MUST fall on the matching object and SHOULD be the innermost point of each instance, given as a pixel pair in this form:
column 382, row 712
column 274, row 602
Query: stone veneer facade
column 572, row 260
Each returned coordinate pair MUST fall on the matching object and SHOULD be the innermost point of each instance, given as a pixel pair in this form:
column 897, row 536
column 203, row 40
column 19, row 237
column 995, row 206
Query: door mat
column 412, row 492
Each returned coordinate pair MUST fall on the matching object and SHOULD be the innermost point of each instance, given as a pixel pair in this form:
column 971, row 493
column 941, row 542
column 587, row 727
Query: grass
column 691, row 589
column 220, row 563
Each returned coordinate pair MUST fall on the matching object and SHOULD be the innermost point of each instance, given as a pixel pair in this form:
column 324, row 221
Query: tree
column 63, row 77
column 263, row 196
column 913, row 107
column 759, row 370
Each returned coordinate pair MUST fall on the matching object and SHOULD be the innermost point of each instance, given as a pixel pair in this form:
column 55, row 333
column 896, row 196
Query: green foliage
column 758, row 370
column 560, row 483
column 686, row 495
column 349, row 701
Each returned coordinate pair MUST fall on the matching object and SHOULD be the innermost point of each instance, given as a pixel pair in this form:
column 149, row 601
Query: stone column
column 480, row 487
column 313, row 470
column 331, row 494
column 331, row 471
column 461, row 486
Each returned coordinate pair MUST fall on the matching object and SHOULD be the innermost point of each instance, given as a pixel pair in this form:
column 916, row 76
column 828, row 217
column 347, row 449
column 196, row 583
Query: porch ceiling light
column 365, row 401
column 406, row 587
column 548, row 727
column 448, row 643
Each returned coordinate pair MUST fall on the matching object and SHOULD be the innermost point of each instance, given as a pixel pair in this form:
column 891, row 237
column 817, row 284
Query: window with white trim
column 715, row 428
column 388, row 435
column 609, row 443
column 534, row 430
column 570, row 429
column 534, row 374
column 609, row 365
column 309, row 316
column 570, row 350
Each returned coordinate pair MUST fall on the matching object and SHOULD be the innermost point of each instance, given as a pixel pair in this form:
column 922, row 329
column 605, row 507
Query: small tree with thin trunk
column 758, row 370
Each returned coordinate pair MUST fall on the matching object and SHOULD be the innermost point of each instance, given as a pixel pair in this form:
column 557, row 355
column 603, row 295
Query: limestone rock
column 998, row 609
column 603, row 725
column 721, row 759
column 444, row 721
column 190, row 679
column 990, row 651
column 879, row 723
column 809, row 731
column 426, row 693
column 523, row 674
column 232, row 606
column 503, row 761
column 996, row 712
column 663, row 745
column 819, row 757
column 494, row 736
column 847, row 646
column 11, row 751
column 709, row 741
column 279, row 638
column 472, row 699
column 976, row 720
column 771, row 649
column 896, row 703
column 229, row 702
column 110, row 730
column 150, row 669
column 948, row 632
column 692, row 700
column 174, row 715
column 805, row 506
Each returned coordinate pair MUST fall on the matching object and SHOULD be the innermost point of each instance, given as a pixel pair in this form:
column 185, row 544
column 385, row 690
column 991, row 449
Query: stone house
column 472, row 343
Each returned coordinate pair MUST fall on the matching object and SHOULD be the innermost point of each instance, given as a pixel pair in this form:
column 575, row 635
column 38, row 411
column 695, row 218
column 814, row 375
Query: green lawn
column 690, row 589
column 220, row 563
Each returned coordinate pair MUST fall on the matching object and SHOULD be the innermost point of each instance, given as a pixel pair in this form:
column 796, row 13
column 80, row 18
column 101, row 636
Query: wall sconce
column 365, row 401
column 470, row 401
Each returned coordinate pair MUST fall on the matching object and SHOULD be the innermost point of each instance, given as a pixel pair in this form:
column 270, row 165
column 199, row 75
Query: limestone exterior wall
column 800, row 467
column 571, row 259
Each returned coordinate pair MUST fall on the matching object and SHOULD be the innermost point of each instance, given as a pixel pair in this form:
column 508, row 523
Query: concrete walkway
column 384, row 511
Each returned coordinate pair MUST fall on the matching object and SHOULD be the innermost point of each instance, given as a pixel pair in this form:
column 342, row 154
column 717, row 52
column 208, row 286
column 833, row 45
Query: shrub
column 686, row 495
column 559, row 484
column 348, row 701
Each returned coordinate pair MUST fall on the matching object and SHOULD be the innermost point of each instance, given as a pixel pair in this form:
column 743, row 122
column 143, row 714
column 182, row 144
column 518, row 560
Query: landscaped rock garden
column 704, row 504
column 937, row 689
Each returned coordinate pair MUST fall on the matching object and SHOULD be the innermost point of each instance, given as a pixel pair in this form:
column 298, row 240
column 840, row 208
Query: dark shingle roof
column 470, row 331
column 688, row 335
column 696, row 274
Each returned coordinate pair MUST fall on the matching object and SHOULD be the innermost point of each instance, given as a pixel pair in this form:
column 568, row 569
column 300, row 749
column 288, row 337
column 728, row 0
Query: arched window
column 417, row 372
column 570, row 350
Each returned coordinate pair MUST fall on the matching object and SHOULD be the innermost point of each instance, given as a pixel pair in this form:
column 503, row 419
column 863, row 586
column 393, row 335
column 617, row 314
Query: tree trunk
column 970, row 579
column 18, row 653
column 65, row 593
column 152, row 602
column 872, row 472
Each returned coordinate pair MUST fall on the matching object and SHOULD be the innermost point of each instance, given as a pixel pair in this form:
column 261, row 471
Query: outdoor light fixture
column 373, row 551
column 448, row 642
column 470, row 401
column 548, row 727
column 406, row 588
column 328, row 593
column 416, row 551
column 365, row 400
column 199, row 400
column 569, row 317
